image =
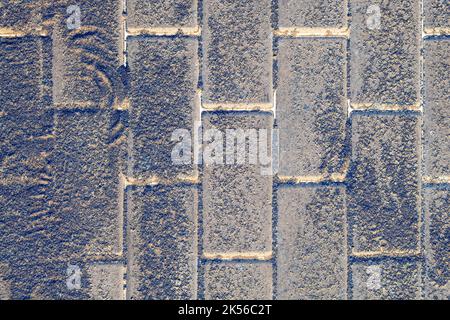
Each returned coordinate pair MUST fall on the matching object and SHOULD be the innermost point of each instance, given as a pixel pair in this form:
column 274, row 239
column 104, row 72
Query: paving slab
column 238, row 281
column 436, row 13
column 384, row 66
column 312, row 255
column 436, row 108
column 383, row 183
column 237, row 51
column 164, row 74
column 437, row 243
column 87, row 56
column 161, row 13
column 312, row 14
column 162, row 243
column 311, row 106
column 386, row 280
column 237, row 198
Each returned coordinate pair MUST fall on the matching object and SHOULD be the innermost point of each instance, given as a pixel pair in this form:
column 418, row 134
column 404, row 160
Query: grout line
column 237, row 106
column 154, row 181
column 384, row 107
column 199, row 283
column 125, row 105
column 348, row 135
column 263, row 256
column 166, row 31
column 430, row 31
column 386, row 254
column 436, row 180
column 421, row 202
column 11, row 33
column 312, row 32
column 334, row 177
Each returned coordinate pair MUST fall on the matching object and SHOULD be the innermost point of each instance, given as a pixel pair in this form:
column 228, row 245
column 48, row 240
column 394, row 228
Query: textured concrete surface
column 162, row 252
column 354, row 97
column 163, row 79
column 398, row 280
column 312, row 257
column 383, row 183
column 436, row 13
column 238, row 281
column 436, row 109
column 162, row 13
column 86, row 59
column 237, row 51
column 237, row 202
column 312, row 14
column 437, row 242
column 107, row 281
column 311, row 100
column 384, row 66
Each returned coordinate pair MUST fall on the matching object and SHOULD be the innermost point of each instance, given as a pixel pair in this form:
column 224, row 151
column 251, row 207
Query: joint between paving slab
column 293, row 32
column 165, row 31
column 260, row 256
column 155, row 181
column 333, row 178
column 384, row 107
column 386, row 254
column 268, row 107
column 436, row 180
column 12, row 33
column 429, row 32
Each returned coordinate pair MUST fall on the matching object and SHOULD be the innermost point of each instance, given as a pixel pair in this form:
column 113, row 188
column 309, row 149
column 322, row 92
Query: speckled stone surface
column 384, row 66
column 162, row 13
column 311, row 106
column 86, row 59
column 437, row 243
column 312, row 14
column 312, row 257
column 162, row 252
column 386, row 280
column 237, row 51
column 436, row 13
column 436, row 108
column 343, row 104
column 163, row 80
column 383, row 183
column 238, row 281
column 237, row 202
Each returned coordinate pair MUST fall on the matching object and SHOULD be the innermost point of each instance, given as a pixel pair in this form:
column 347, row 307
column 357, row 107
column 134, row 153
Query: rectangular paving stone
column 237, row 198
column 384, row 66
column 24, row 62
column 26, row 124
column 383, row 182
column 436, row 13
column 107, row 281
column 437, row 243
column 162, row 242
column 21, row 15
column 312, row 255
column 5, row 292
column 238, row 281
column 311, row 106
column 164, row 75
column 26, row 224
column 86, row 185
column 86, row 58
column 161, row 13
column 386, row 280
column 312, row 14
column 237, row 51
column 436, row 108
